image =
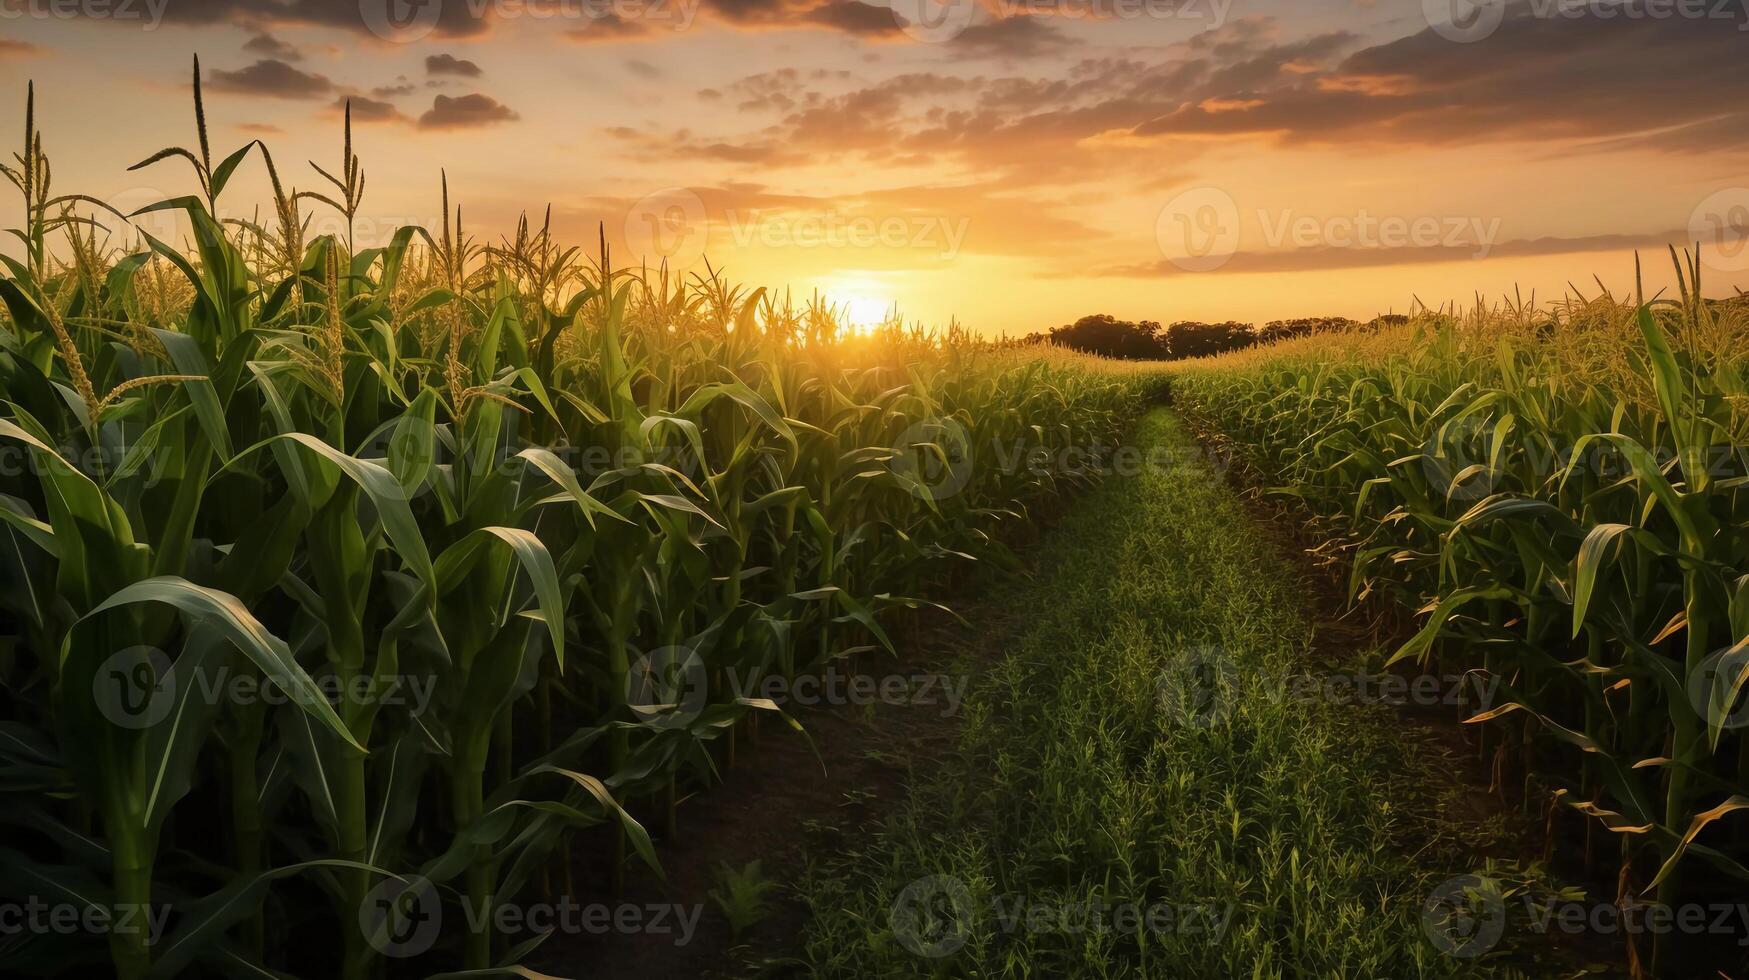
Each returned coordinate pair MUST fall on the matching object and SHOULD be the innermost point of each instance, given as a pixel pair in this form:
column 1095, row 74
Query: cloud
column 1315, row 259
column 272, row 47
column 856, row 18
column 1012, row 37
column 1535, row 78
column 448, row 64
column 368, row 110
column 453, row 20
column 272, row 78
column 259, row 129
column 642, row 69
column 19, row 49
column 466, row 112
column 391, row 91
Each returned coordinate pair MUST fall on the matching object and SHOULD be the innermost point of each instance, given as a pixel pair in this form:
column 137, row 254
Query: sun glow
column 863, row 303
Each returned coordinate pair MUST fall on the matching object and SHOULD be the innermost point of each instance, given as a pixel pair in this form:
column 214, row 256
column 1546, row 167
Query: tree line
column 1147, row 340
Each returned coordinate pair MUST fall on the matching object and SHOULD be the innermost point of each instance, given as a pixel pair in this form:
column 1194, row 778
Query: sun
column 863, row 303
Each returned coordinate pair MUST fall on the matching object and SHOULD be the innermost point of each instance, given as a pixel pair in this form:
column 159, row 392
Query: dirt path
column 787, row 797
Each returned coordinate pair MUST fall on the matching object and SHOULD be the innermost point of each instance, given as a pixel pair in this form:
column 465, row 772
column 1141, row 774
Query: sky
column 1011, row 164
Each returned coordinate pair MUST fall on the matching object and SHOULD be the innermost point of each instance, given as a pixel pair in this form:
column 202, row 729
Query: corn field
column 507, row 477
column 1561, row 494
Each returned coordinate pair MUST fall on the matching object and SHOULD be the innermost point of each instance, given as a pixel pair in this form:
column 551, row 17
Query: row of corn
column 1560, row 493
column 329, row 570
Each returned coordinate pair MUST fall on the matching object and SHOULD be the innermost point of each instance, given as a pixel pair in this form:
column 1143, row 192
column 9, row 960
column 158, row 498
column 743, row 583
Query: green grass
column 1081, row 776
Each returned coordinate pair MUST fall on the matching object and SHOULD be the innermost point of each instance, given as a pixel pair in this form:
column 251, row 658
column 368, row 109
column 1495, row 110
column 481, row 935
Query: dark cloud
column 854, row 17
column 271, row 78
column 1614, row 83
column 1012, row 37
column 448, row 64
column 642, row 69
column 1315, row 259
column 269, row 46
column 453, row 20
column 465, row 112
column 1534, row 78
column 391, row 91
column 368, row 110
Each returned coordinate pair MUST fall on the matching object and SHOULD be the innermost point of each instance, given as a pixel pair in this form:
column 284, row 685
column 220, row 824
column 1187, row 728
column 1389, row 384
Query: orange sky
column 1012, row 163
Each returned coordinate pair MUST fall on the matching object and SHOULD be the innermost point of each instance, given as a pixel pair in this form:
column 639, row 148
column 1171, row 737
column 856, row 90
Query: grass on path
column 1133, row 796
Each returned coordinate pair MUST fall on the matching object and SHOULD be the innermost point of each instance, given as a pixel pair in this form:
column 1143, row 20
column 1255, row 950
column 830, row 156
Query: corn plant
column 282, row 459
column 1560, row 493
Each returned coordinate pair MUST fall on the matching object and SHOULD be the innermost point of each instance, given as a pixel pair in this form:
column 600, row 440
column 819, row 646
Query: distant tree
column 1106, row 335
column 1188, row 338
column 1283, row 329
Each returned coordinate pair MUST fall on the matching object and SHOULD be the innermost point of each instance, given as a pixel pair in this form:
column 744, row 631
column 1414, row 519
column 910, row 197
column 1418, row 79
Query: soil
column 786, row 796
